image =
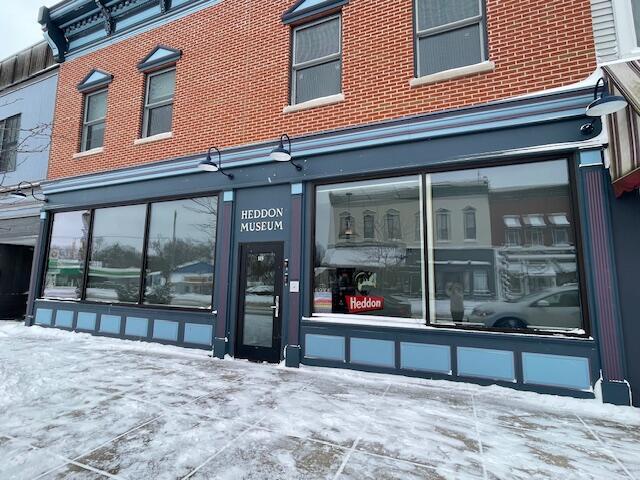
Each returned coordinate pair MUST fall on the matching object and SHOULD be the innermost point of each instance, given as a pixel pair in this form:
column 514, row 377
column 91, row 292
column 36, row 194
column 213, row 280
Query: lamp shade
column 280, row 154
column 18, row 194
column 606, row 105
column 208, row 165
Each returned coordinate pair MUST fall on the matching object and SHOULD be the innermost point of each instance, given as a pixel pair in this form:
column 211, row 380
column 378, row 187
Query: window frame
column 13, row 150
column 86, row 124
column 148, row 107
column 140, row 303
column 424, row 172
column 294, row 67
column 465, row 212
column 418, row 35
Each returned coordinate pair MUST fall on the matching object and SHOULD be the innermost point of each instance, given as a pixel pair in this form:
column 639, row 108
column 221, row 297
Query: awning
column 624, row 127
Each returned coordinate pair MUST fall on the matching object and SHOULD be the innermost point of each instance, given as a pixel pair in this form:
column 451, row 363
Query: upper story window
column 443, row 225
column 394, row 230
column 317, row 60
column 470, row 232
column 158, row 102
column 9, row 136
column 93, row 125
column 449, row 35
column 369, row 221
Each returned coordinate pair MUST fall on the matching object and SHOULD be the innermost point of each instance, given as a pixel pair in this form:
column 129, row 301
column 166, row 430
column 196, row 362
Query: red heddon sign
column 360, row 303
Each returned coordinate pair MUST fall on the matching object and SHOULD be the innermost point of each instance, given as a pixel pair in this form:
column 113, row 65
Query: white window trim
column 418, row 34
column 318, row 61
column 152, row 106
column 153, row 138
column 88, row 153
column 315, row 103
column 625, row 29
column 482, row 67
column 86, row 124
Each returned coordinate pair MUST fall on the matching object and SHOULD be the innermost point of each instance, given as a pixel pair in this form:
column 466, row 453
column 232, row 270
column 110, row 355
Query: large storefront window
column 116, row 254
column 177, row 240
column 368, row 260
column 520, row 270
column 180, row 250
column 500, row 242
column 67, row 250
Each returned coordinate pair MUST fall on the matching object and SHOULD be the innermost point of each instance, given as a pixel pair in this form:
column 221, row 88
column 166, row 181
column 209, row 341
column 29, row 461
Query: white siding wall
column 604, row 30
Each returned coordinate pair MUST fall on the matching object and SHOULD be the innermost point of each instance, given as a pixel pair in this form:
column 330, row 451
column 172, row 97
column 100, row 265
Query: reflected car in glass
column 557, row 308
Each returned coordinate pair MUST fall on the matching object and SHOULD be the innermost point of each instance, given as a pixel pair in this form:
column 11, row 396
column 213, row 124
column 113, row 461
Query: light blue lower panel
column 110, row 324
column 198, row 334
column 165, row 330
column 325, row 347
column 86, row 321
column 136, row 327
column 556, row 371
column 368, row 351
column 44, row 316
column 64, row 318
column 425, row 357
column 486, row 363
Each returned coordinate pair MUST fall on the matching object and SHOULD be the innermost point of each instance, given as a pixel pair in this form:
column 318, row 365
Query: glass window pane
column 160, row 120
column 67, row 251
column 452, row 49
column 318, row 41
column 161, row 87
column 96, row 106
column 116, row 254
column 180, row 256
column 319, row 81
column 94, row 136
column 8, row 147
column 364, row 273
column 434, row 13
column 495, row 281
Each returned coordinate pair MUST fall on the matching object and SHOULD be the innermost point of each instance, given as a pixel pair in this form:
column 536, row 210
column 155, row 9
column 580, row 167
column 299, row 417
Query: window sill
column 87, row 153
column 483, row 67
column 316, row 102
column 154, row 138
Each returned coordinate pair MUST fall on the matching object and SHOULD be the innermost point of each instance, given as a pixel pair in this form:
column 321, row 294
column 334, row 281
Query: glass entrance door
column 260, row 302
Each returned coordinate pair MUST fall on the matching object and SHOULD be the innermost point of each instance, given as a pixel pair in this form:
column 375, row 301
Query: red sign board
column 360, row 303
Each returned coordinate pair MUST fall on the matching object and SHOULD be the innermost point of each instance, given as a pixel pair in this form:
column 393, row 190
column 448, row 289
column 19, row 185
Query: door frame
column 253, row 353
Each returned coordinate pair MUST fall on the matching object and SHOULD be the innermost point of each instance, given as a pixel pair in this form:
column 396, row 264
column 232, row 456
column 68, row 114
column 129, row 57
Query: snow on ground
column 76, row 406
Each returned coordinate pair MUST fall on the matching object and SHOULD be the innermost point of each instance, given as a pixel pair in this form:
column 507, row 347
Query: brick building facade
column 336, row 248
column 232, row 81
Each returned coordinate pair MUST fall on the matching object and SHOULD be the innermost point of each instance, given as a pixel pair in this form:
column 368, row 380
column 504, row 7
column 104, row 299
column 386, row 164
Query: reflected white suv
column 558, row 308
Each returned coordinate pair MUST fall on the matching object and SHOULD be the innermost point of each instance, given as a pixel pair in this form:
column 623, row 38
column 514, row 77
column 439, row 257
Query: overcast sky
column 19, row 27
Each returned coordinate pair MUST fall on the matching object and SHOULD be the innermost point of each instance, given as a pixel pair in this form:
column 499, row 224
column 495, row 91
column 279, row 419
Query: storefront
column 467, row 245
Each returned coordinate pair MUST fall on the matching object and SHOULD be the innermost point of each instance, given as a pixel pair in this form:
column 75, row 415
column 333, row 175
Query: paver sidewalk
column 74, row 406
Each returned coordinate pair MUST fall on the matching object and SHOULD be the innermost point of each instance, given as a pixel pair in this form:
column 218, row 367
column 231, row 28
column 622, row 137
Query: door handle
column 276, row 307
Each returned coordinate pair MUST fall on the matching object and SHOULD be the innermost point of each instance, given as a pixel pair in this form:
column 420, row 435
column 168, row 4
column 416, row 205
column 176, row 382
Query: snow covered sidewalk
column 75, row 406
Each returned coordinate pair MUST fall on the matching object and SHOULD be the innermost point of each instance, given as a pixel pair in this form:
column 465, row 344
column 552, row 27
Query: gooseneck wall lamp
column 208, row 165
column 282, row 153
column 606, row 104
column 19, row 193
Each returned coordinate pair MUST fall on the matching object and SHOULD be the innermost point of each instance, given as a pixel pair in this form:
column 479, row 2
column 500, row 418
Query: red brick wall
column 233, row 78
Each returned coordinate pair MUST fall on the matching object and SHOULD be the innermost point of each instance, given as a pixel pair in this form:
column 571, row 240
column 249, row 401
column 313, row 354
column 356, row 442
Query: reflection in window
column 394, row 230
column 469, row 223
column 369, row 225
column 369, row 276
column 346, row 225
column 511, row 285
column 115, row 262
column 443, row 225
column 181, row 246
column 65, row 264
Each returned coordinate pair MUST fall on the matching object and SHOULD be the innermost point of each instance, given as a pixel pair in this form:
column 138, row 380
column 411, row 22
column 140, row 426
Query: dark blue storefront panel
column 531, row 362
column 186, row 328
